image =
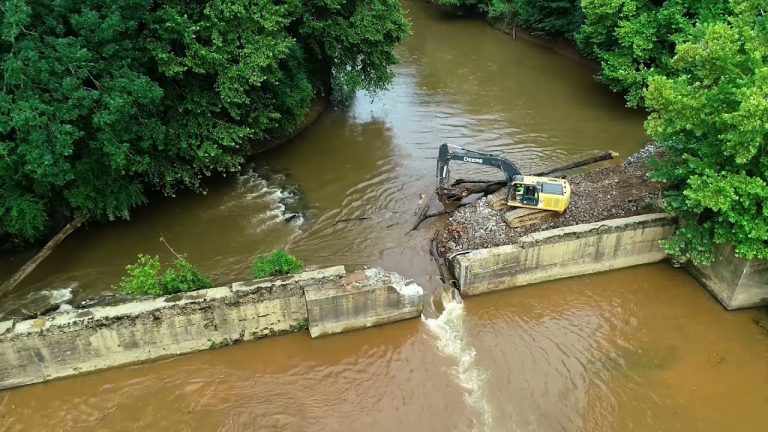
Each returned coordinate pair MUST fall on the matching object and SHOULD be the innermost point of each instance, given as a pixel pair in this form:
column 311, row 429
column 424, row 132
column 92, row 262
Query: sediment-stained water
column 632, row 350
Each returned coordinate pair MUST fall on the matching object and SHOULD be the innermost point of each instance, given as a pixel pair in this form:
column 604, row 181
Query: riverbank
column 318, row 107
column 615, row 219
column 50, row 299
column 609, row 192
column 561, row 45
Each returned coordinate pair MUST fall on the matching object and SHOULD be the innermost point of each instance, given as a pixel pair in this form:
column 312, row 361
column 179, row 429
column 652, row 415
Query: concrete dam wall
column 564, row 252
column 330, row 300
column 325, row 301
column 737, row 283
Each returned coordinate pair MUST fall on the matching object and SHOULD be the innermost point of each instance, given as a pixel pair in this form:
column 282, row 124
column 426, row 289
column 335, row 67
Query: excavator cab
column 526, row 194
column 539, row 192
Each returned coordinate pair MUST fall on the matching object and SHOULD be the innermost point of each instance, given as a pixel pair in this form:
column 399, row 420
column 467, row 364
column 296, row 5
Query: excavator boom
column 532, row 192
column 448, row 153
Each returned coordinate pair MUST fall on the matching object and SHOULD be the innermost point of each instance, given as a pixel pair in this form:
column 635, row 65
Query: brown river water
column 641, row 349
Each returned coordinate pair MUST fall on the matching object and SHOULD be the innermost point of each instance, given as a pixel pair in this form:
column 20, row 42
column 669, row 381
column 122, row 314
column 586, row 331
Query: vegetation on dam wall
column 145, row 278
column 276, row 263
column 103, row 102
column 701, row 70
column 149, row 277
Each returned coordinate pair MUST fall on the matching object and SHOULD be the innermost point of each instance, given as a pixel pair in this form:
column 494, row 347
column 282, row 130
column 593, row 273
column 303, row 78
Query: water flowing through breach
column 452, row 341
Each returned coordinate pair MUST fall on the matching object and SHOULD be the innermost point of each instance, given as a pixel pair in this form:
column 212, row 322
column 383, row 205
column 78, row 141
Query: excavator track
column 518, row 216
column 525, row 216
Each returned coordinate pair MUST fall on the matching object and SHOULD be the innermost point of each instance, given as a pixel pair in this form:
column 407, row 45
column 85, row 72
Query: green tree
column 635, row 39
column 543, row 17
column 105, row 101
column 711, row 117
column 73, row 98
column 353, row 39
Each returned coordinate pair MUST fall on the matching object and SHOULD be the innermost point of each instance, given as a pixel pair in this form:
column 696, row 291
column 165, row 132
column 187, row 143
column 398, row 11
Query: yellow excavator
column 531, row 192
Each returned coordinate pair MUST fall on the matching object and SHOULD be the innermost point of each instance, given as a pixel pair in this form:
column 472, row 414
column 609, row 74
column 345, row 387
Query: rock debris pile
column 605, row 193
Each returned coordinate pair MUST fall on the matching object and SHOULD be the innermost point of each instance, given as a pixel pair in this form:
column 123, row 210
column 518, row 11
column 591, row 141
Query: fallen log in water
column 423, row 209
column 584, row 161
column 351, row 219
column 27, row 268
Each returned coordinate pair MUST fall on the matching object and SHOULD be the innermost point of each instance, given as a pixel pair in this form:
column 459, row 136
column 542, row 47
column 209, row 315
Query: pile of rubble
column 605, row 193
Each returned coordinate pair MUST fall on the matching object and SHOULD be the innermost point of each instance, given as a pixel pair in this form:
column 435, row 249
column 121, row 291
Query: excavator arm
column 533, row 197
column 448, row 153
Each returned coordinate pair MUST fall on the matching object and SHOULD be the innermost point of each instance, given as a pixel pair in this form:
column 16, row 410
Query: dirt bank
column 604, row 193
column 318, row 107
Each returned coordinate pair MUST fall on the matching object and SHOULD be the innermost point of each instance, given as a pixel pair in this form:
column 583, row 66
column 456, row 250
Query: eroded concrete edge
column 363, row 299
column 735, row 282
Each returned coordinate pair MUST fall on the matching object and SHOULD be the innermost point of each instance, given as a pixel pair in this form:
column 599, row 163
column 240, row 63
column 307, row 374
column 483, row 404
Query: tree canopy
column 710, row 114
column 635, row 39
column 103, row 102
column 544, row 17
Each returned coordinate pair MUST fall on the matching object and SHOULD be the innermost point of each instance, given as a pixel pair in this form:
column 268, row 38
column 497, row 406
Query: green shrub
column 145, row 278
column 302, row 325
column 276, row 263
column 710, row 115
column 142, row 277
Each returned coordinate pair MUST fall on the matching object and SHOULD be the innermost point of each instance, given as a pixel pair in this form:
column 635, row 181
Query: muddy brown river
column 638, row 349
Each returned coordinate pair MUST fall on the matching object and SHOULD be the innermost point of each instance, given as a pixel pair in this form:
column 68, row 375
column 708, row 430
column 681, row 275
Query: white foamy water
column 452, row 341
column 57, row 296
column 255, row 189
column 25, row 305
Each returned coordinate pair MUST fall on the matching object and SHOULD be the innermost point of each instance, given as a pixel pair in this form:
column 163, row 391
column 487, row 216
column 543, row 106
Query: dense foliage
column 145, row 278
column 277, row 263
column 635, row 39
column 711, row 116
column 545, row 17
column 465, row 5
column 103, row 101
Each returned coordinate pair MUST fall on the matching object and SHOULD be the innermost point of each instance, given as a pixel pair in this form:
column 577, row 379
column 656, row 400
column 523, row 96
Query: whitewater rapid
column 452, row 341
